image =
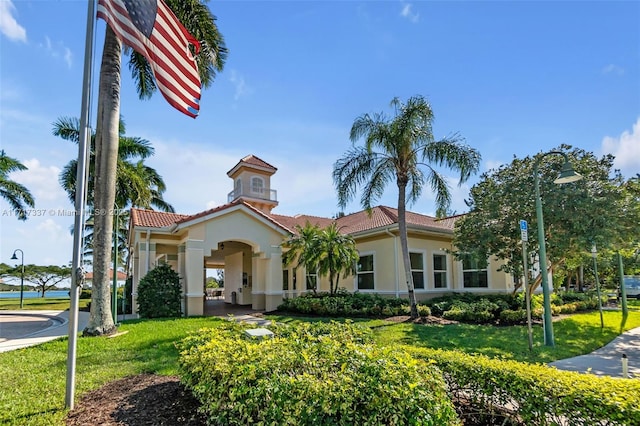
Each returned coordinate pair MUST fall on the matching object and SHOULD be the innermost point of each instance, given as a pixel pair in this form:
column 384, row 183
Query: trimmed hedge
column 310, row 374
column 344, row 304
column 160, row 293
column 536, row 394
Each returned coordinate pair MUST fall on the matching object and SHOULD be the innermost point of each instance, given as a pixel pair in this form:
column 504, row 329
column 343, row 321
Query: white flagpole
column 80, row 205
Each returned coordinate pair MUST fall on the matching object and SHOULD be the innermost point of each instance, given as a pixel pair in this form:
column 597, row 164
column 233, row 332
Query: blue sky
column 514, row 78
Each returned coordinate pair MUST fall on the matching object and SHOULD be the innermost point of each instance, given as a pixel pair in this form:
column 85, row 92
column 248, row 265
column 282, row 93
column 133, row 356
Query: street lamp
column 14, row 257
column 567, row 175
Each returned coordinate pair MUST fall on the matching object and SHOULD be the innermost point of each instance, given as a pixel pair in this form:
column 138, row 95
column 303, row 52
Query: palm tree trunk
column 404, row 244
column 101, row 320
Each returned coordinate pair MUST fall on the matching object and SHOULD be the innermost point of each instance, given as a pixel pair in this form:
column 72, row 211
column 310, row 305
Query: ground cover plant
column 311, row 374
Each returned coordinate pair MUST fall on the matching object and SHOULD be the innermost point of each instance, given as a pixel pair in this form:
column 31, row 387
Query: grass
column 36, row 376
column 32, row 380
column 41, row 303
column 575, row 335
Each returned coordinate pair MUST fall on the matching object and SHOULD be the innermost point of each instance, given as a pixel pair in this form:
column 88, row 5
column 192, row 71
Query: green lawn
column 40, row 303
column 32, row 380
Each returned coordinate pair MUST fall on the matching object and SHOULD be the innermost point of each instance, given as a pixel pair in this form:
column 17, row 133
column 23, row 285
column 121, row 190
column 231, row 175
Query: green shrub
column 478, row 311
column 159, row 293
column 424, row 310
column 310, row 374
column 85, row 293
column 345, row 304
column 539, row 395
column 510, row 317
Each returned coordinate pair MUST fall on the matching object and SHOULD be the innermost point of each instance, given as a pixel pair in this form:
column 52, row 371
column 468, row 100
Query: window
column 237, row 190
column 312, row 281
column 417, row 269
column 439, row 271
column 285, row 279
column 257, row 185
column 295, row 279
column 474, row 272
column 365, row 273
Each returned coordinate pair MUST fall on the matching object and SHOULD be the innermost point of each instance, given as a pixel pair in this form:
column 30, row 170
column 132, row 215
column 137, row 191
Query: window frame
column 257, row 189
column 423, row 271
column 372, row 272
column 444, row 271
column 474, row 269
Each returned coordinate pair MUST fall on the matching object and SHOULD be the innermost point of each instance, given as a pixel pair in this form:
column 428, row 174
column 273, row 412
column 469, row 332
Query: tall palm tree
column 302, row 248
column 17, row 195
column 200, row 22
column 137, row 185
column 398, row 148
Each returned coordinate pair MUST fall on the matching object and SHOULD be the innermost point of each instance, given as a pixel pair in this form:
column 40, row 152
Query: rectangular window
column 439, row 271
column 474, row 272
column 365, row 274
column 417, row 270
column 285, row 279
column 312, row 281
column 295, row 279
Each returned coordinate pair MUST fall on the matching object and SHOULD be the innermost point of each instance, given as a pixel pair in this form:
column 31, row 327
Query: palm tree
column 17, row 195
column 302, row 248
column 324, row 251
column 336, row 253
column 137, row 185
column 200, row 22
column 397, row 149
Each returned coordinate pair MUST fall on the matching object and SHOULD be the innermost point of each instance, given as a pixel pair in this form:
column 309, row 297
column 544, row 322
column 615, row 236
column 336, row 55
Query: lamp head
column 567, row 174
column 14, row 257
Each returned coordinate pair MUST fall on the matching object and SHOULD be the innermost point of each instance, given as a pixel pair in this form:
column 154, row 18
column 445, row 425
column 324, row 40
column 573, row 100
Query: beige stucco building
column 244, row 238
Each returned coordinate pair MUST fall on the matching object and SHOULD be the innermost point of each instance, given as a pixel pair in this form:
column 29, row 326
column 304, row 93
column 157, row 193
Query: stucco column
column 273, row 282
column 181, row 269
column 194, row 260
column 258, row 267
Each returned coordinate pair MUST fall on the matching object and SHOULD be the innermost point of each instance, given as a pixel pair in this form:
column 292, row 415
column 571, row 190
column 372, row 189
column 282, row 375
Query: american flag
column 150, row 28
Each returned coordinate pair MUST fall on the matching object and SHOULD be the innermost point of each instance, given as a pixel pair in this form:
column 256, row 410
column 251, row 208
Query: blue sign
column 523, row 225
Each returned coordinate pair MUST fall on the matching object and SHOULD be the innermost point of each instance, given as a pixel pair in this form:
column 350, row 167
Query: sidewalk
column 607, row 361
column 19, row 329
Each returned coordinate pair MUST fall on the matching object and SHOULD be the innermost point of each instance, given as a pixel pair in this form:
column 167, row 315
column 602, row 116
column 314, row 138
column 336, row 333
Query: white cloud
column 626, row 149
column 613, row 69
column 492, row 164
column 58, row 51
column 242, row 89
column 8, row 24
column 408, row 13
column 42, row 182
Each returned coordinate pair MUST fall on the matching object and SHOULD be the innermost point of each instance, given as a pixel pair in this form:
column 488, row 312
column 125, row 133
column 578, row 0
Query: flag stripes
column 166, row 49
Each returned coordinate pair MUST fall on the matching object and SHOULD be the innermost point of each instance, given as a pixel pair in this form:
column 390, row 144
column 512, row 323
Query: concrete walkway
column 607, row 361
column 19, row 329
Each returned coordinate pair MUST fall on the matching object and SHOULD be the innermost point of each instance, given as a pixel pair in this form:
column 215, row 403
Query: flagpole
column 80, row 203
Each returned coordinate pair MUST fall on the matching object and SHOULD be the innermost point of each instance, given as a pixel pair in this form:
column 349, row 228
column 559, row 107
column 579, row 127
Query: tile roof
column 252, row 160
column 154, row 219
column 381, row 216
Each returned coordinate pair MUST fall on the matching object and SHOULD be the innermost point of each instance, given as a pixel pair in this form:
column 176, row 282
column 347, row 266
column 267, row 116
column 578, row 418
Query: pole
column 594, row 253
column 114, row 302
column 527, row 294
column 547, row 320
column 623, row 290
column 22, row 282
column 77, row 274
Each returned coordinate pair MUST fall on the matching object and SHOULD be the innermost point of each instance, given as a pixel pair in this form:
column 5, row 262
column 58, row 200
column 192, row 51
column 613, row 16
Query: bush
column 537, row 394
column 343, row 304
column 310, row 374
column 479, row 311
column 511, row 317
column 159, row 293
column 85, row 293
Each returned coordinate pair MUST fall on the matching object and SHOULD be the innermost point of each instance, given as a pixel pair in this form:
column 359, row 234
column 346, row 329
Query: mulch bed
column 431, row 320
column 143, row 400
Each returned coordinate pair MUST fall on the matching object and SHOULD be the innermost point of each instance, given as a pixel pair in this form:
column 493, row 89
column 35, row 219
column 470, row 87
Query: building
column 244, row 238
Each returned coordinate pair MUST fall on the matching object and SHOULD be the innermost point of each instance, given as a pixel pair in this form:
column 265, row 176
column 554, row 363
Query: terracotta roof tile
column 252, row 160
column 291, row 221
column 154, row 219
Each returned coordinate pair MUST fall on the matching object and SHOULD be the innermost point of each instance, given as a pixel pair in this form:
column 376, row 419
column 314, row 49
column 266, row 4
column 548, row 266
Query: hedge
column 310, row 374
column 537, row 394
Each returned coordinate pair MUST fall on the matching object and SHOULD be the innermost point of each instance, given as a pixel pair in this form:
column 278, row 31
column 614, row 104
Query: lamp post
column 594, row 254
column 14, row 257
column 567, row 175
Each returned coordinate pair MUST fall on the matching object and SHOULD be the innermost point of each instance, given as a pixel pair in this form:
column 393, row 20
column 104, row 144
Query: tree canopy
column 16, row 194
column 594, row 210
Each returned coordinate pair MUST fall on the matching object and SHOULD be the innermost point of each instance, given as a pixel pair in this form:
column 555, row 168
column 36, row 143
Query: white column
column 194, row 260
